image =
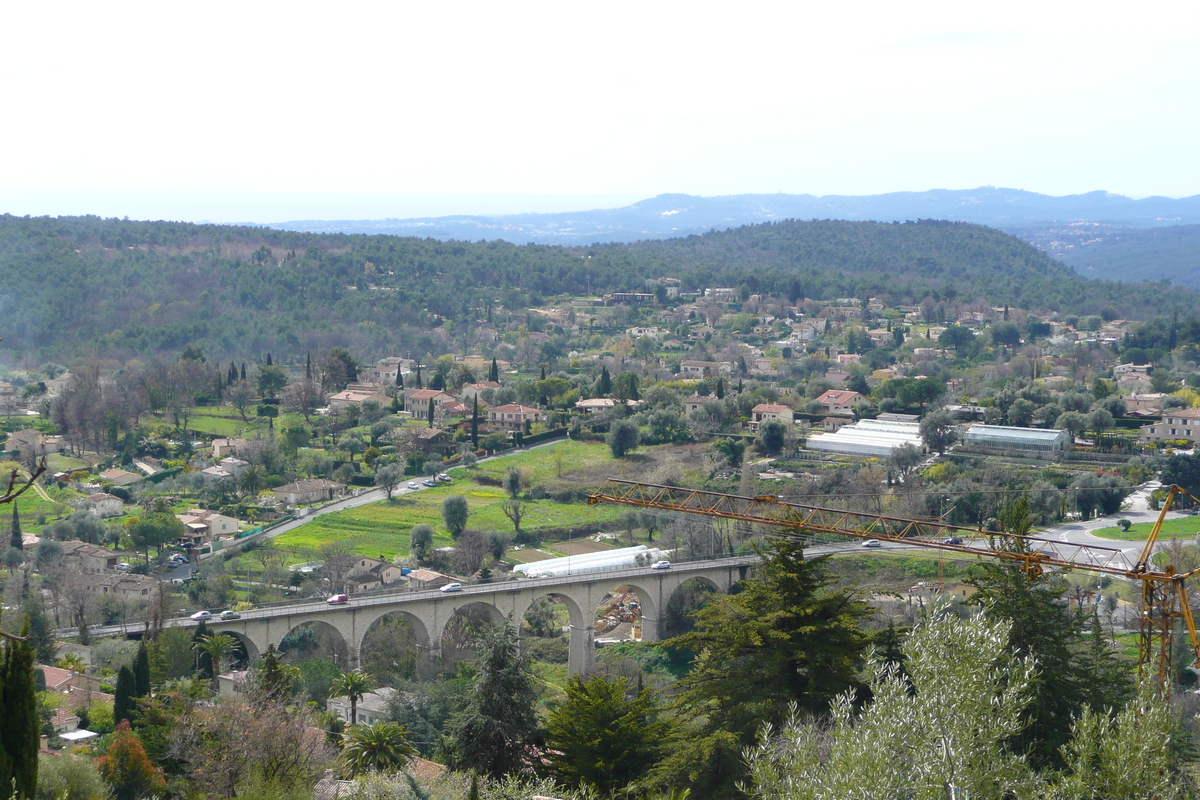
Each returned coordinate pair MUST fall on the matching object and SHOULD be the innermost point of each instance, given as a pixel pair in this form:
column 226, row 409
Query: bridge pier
column 582, row 654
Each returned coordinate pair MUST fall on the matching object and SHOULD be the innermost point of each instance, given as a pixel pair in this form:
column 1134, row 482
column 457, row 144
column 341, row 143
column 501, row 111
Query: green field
column 226, row 421
column 383, row 528
column 1183, row 528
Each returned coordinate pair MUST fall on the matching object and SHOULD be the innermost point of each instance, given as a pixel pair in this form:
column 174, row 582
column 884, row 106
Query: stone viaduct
column 429, row 611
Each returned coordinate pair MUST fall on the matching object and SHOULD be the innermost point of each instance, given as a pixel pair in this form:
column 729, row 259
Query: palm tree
column 352, row 685
column 216, row 647
column 382, row 747
column 71, row 661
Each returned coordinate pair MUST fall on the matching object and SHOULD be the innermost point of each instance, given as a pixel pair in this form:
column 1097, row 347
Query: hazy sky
column 611, row 100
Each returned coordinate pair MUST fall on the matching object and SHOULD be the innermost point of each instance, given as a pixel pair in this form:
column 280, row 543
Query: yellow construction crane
column 1164, row 592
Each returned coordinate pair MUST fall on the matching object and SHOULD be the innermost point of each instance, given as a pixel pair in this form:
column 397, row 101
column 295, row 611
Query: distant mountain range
column 1102, row 235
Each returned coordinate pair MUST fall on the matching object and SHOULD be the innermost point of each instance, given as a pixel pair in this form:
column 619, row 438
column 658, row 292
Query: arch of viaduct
column 429, row 612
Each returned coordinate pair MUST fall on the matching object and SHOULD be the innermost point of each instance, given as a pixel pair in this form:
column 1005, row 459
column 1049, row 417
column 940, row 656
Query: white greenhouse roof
column 1007, row 433
column 869, row 437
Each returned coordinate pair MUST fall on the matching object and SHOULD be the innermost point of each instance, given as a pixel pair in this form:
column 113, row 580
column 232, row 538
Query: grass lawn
column 1184, row 528
column 383, row 528
column 226, row 421
column 31, row 506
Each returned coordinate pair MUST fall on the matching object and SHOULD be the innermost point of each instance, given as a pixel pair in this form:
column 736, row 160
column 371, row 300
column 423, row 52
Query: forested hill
column 80, row 285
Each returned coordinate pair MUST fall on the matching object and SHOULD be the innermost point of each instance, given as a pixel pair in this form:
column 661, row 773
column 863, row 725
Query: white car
column 661, row 565
column 122, row 567
column 412, row 484
column 872, row 543
column 451, row 587
column 202, row 615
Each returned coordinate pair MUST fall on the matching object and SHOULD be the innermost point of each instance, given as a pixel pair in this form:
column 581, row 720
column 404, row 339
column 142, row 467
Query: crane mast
column 1164, row 591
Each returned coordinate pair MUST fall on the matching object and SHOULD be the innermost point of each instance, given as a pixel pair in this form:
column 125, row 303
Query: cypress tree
column 431, row 412
column 399, row 377
column 308, row 366
column 141, row 671
column 604, row 385
column 123, row 704
column 268, row 359
column 16, row 542
column 720, row 388
column 494, row 374
column 243, row 370
column 20, row 725
column 418, row 376
column 475, row 425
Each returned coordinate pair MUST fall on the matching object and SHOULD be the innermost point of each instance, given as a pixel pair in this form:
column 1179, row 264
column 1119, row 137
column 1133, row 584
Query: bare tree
column 338, row 558
column 241, row 395
column 302, row 397
column 515, row 511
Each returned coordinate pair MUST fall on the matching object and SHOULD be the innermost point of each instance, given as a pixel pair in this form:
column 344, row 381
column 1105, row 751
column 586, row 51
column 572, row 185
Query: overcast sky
column 562, row 104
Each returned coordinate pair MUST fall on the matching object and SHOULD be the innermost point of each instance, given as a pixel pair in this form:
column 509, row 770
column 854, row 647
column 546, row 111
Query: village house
column 372, row 707
column 416, row 401
column 88, row 559
column 839, row 402
column 213, row 475
column 837, row 376
column 596, row 405
column 232, row 684
column 384, row 371
column 430, row 440
column 1148, row 404
column 370, row 573
column 473, row 390
column 203, row 526
column 514, row 416
column 353, row 398
column 126, row 586
column 120, row 477
column 770, row 412
column 705, row 369
column 422, row 579
column 309, row 490
column 234, row 466
column 1177, row 423
column 228, row 447
column 105, row 505
column 28, row 440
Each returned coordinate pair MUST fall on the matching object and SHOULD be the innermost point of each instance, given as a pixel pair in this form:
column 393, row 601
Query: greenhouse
column 1002, row 437
column 869, row 437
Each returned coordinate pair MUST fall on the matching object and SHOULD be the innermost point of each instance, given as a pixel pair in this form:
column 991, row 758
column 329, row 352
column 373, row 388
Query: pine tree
column 123, row 705
column 141, row 671
column 20, row 724
column 17, row 541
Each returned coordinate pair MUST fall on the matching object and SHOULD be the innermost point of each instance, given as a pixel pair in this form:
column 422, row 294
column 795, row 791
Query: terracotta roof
column 837, row 397
column 515, row 408
column 769, row 408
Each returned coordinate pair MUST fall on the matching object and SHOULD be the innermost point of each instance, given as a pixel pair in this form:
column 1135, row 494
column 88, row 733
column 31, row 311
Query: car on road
column 202, row 615
column 230, row 614
column 451, row 587
column 444, row 478
column 337, row 599
column 872, row 543
column 428, row 483
column 661, row 565
column 952, row 540
column 122, row 567
column 412, row 484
